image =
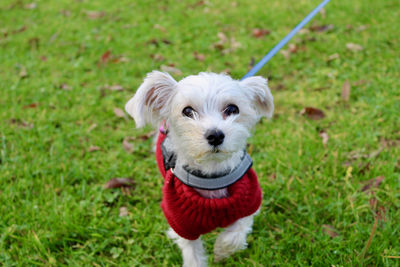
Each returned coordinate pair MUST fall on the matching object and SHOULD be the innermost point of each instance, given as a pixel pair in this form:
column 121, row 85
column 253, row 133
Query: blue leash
column 275, row 50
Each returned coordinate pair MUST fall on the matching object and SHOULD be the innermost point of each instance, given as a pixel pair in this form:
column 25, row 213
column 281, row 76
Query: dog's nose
column 215, row 137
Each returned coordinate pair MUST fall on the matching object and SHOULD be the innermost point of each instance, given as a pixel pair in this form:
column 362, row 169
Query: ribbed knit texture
column 191, row 215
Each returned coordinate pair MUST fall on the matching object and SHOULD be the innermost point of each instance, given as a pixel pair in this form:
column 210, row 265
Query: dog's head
column 209, row 115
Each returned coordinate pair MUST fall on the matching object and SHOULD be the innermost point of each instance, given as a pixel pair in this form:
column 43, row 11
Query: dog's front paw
column 228, row 242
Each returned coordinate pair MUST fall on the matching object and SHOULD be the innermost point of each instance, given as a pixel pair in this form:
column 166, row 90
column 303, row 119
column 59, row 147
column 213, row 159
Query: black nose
column 215, row 137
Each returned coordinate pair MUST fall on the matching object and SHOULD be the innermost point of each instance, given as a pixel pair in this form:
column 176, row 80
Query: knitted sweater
column 191, row 215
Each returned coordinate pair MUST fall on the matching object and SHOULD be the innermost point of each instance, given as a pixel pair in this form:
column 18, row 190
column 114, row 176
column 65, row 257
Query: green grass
column 54, row 210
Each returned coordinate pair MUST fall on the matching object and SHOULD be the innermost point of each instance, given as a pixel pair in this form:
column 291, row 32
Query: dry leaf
column 21, row 123
column 373, row 183
column 329, row 230
column 33, row 105
column 285, row 53
column 106, row 56
column 325, row 137
column 158, row 57
column 159, row 27
column 65, row 87
column 333, row 57
column 127, row 146
column 93, row 148
column 220, row 45
column 346, row 91
column 147, row 135
column 354, row 47
column 322, row 28
column 292, row 48
column 92, row 127
column 23, row 73
column 30, row 6
column 362, row 28
column 171, row 70
column 258, row 33
column 65, row 13
column 123, row 211
column 115, row 87
column 119, row 113
column 304, row 31
column 119, row 182
column 95, row 14
column 199, row 57
column 313, row 113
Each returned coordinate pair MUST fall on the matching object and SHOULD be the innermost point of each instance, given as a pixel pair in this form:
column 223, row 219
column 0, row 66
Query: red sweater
column 192, row 215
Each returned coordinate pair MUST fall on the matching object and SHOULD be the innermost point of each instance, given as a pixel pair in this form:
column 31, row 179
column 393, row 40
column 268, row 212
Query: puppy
column 205, row 121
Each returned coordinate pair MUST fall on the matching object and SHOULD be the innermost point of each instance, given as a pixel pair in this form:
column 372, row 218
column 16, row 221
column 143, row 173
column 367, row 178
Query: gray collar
column 196, row 179
column 216, row 182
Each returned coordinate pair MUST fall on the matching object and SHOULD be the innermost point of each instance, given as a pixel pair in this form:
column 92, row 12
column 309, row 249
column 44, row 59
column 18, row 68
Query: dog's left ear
column 258, row 88
column 151, row 101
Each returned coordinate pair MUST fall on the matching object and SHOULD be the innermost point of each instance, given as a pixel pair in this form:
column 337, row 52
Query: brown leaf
column 171, row 70
column 95, row 14
column 30, row 6
column 21, row 123
column 105, row 57
column 159, row 27
column 313, row 113
column 285, row 53
column 23, row 73
column 354, row 47
column 157, row 57
column 362, row 28
column 65, row 13
column 322, row 28
column 333, row 57
column 199, row 57
column 115, row 87
column 33, row 105
column 34, row 42
column 93, row 148
column 346, row 91
column 21, row 29
column 258, row 33
column 220, row 45
column 65, row 87
column 329, row 230
column 147, row 135
column 43, row 58
column 325, row 137
column 127, row 146
column 123, row 211
column 293, row 48
column 119, row 182
column 92, row 127
column 119, row 113
column 373, row 183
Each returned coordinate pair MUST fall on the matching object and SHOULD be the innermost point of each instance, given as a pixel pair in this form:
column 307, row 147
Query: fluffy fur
column 161, row 98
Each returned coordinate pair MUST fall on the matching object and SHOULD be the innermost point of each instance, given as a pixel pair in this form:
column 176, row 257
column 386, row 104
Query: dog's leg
column 193, row 252
column 233, row 238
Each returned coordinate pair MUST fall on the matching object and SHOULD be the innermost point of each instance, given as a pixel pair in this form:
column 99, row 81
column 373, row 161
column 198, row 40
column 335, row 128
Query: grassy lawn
column 67, row 66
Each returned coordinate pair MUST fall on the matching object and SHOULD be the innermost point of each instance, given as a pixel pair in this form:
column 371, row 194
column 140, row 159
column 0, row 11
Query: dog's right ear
column 151, row 101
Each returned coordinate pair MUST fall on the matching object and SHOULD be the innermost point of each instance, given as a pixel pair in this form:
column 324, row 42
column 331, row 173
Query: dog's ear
column 258, row 88
column 151, row 101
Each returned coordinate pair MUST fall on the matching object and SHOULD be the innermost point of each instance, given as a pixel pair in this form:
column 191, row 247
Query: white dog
column 208, row 181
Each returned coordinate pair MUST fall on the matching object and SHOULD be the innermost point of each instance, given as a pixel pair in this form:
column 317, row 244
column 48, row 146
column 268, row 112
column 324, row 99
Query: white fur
column 161, row 98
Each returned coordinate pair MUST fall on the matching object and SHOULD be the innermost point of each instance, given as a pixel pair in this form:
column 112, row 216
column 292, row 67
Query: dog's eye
column 231, row 109
column 188, row 112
